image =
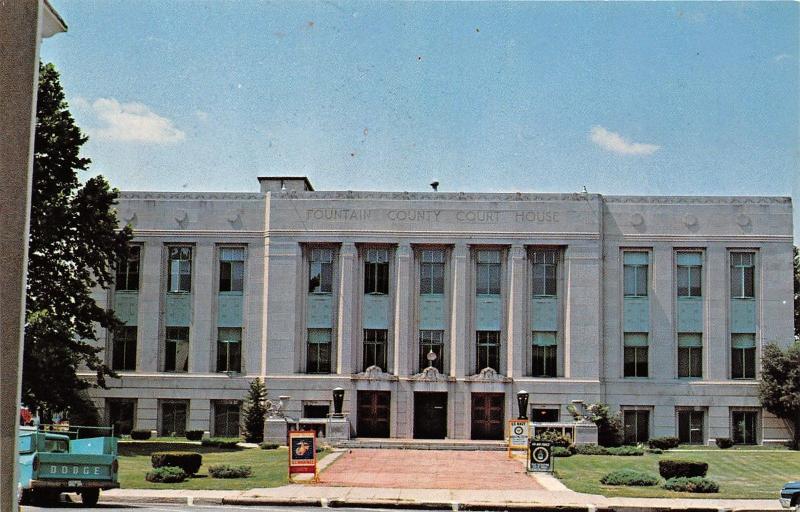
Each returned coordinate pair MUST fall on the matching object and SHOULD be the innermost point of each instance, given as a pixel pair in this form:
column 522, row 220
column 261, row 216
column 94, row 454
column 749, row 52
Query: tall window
column 320, row 271
column 742, row 275
column 488, row 270
column 690, row 271
column 180, row 269
column 226, row 419
column 636, row 426
column 173, row 418
column 231, row 269
column 176, row 358
column 690, row 427
column 376, row 271
column 375, row 341
column 690, row 355
column 635, row 273
column 743, row 429
column 743, row 356
column 488, row 350
column 543, row 354
column 318, row 354
column 636, row 350
column 124, row 349
column 128, row 270
column 431, row 341
column 121, row 414
column 229, row 349
column 431, row 272
column 544, row 272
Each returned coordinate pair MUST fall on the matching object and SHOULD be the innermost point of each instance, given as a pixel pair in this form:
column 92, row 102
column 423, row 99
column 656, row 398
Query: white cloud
column 132, row 122
column 781, row 56
column 616, row 143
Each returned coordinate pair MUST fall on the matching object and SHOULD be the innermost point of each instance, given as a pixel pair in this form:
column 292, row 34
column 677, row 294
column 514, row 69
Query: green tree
column 74, row 246
column 609, row 426
column 254, row 413
column 796, row 293
column 780, row 385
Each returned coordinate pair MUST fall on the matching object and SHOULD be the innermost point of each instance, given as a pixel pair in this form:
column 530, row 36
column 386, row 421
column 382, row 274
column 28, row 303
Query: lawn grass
column 756, row 474
column 269, row 469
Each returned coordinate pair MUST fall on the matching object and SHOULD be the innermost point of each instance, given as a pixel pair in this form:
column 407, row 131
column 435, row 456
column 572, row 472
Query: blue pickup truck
column 53, row 459
column 790, row 496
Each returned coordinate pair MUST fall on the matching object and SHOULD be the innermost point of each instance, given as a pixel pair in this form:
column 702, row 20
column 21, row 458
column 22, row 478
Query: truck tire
column 47, row 498
column 89, row 497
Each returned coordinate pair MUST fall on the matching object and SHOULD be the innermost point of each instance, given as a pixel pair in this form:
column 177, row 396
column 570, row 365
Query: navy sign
column 540, row 457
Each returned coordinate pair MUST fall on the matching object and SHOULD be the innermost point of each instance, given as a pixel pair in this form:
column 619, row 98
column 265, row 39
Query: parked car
column 55, row 459
column 790, row 496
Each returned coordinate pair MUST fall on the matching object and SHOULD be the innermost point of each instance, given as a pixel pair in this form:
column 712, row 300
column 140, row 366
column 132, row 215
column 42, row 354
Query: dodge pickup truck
column 52, row 462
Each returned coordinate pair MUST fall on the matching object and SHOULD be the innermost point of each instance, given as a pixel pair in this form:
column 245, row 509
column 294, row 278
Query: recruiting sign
column 540, row 457
column 518, row 434
column 302, row 452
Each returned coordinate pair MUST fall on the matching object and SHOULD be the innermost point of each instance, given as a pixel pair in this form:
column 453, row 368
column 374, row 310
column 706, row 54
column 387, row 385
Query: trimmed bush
column 625, row 451
column 189, row 462
column 664, row 443
column 693, row 484
column 681, row 468
column 166, row 475
column 724, row 442
column 140, row 435
column 656, row 451
column 220, row 442
column 630, row 477
column 559, row 451
column 591, row 449
column 268, row 446
column 194, row 435
column 226, row 471
column 556, row 438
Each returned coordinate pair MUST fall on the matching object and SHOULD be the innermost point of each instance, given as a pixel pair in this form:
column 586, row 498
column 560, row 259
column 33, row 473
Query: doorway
column 487, row 415
column 430, row 415
column 373, row 413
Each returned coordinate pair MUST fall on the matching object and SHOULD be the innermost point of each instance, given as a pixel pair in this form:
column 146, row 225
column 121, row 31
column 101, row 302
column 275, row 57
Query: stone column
column 716, row 352
column 515, row 366
column 347, row 275
column 203, row 340
column 150, row 307
column 402, row 311
column 663, row 341
column 459, row 344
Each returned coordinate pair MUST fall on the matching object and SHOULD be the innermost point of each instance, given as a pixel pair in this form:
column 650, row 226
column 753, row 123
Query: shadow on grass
column 148, row 447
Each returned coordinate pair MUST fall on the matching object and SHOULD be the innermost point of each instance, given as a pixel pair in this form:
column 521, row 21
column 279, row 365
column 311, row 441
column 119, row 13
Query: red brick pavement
column 428, row 469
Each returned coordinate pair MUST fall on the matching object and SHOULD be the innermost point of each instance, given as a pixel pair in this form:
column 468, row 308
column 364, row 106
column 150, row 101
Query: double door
column 373, row 413
column 488, row 415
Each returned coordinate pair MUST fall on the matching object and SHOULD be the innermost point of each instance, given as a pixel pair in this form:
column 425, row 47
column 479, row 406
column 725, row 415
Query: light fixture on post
column 431, row 357
column 338, row 400
column 522, row 402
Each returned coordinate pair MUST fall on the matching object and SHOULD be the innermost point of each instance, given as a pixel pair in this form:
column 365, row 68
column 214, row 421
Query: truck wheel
column 46, row 498
column 89, row 497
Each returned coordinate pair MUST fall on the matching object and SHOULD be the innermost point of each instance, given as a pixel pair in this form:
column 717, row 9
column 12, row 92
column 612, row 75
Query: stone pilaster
column 347, row 275
column 459, row 344
column 202, row 340
column 663, row 341
column 716, row 353
column 515, row 366
column 150, row 308
column 403, row 344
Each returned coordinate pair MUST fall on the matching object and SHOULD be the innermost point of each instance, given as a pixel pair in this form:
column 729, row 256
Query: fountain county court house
column 658, row 306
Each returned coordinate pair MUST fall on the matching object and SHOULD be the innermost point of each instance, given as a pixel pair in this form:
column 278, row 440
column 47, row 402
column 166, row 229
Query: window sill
column 181, row 292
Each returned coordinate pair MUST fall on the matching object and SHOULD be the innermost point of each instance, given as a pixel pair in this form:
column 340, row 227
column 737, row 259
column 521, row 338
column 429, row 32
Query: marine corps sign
column 302, row 452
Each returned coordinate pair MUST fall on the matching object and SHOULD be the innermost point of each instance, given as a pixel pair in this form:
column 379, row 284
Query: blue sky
column 625, row 98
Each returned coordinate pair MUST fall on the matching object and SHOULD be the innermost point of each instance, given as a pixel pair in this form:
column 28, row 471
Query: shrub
column 559, row 451
column 625, row 451
column 630, row 477
column 226, row 471
column 556, row 438
column 254, row 411
column 141, row 435
column 268, row 446
column 591, row 449
column 664, row 443
column 693, row 484
column 189, row 462
column 724, row 442
column 656, row 451
column 166, row 475
column 220, row 442
column 681, row 468
column 194, row 435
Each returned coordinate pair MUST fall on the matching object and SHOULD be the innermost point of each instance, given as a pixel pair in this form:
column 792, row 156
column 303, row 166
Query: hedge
column 664, row 443
column 166, row 475
column 220, row 442
column 226, row 471
column 625, row 451
column 724, row 442
column 268, row 446
column 556, row 438
column 189, row 462
column 670, row 468
column 194, row 435
column 140, row 435
column 630, row 477
column 559, row 451
column 693, row 484
column 591, row 449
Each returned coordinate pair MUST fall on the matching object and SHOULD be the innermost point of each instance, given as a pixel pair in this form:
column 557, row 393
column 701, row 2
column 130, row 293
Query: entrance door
column 487, row 415
column 373, row 414
column 430, row 415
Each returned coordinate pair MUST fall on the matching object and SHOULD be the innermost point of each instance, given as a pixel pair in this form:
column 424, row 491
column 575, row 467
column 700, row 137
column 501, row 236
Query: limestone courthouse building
column 433, row 310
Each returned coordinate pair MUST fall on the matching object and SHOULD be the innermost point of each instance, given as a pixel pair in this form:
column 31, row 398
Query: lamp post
column 522, row 402
column 338, row 400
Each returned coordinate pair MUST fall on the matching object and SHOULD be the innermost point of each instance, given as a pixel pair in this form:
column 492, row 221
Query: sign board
column 518, row 434
column 302, row 452
column 540, row 458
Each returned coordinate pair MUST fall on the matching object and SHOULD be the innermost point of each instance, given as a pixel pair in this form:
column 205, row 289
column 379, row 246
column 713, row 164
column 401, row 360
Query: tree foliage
column 797, row 293
column 780, row 385
column 255, row 411
column 73, row 248
column 609, row 426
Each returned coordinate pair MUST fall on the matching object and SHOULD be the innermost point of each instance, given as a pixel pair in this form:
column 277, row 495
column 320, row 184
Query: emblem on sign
column 541, row 458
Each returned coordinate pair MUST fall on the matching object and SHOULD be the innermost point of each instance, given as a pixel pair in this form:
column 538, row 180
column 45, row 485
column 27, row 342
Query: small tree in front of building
column 609, row 426
column 780, row 385
column 254, row 413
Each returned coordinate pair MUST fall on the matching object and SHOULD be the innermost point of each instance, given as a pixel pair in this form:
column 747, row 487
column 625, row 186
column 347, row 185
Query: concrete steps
column 422, row 444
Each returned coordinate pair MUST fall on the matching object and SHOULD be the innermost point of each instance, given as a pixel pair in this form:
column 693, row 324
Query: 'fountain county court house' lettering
column 413, row 215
